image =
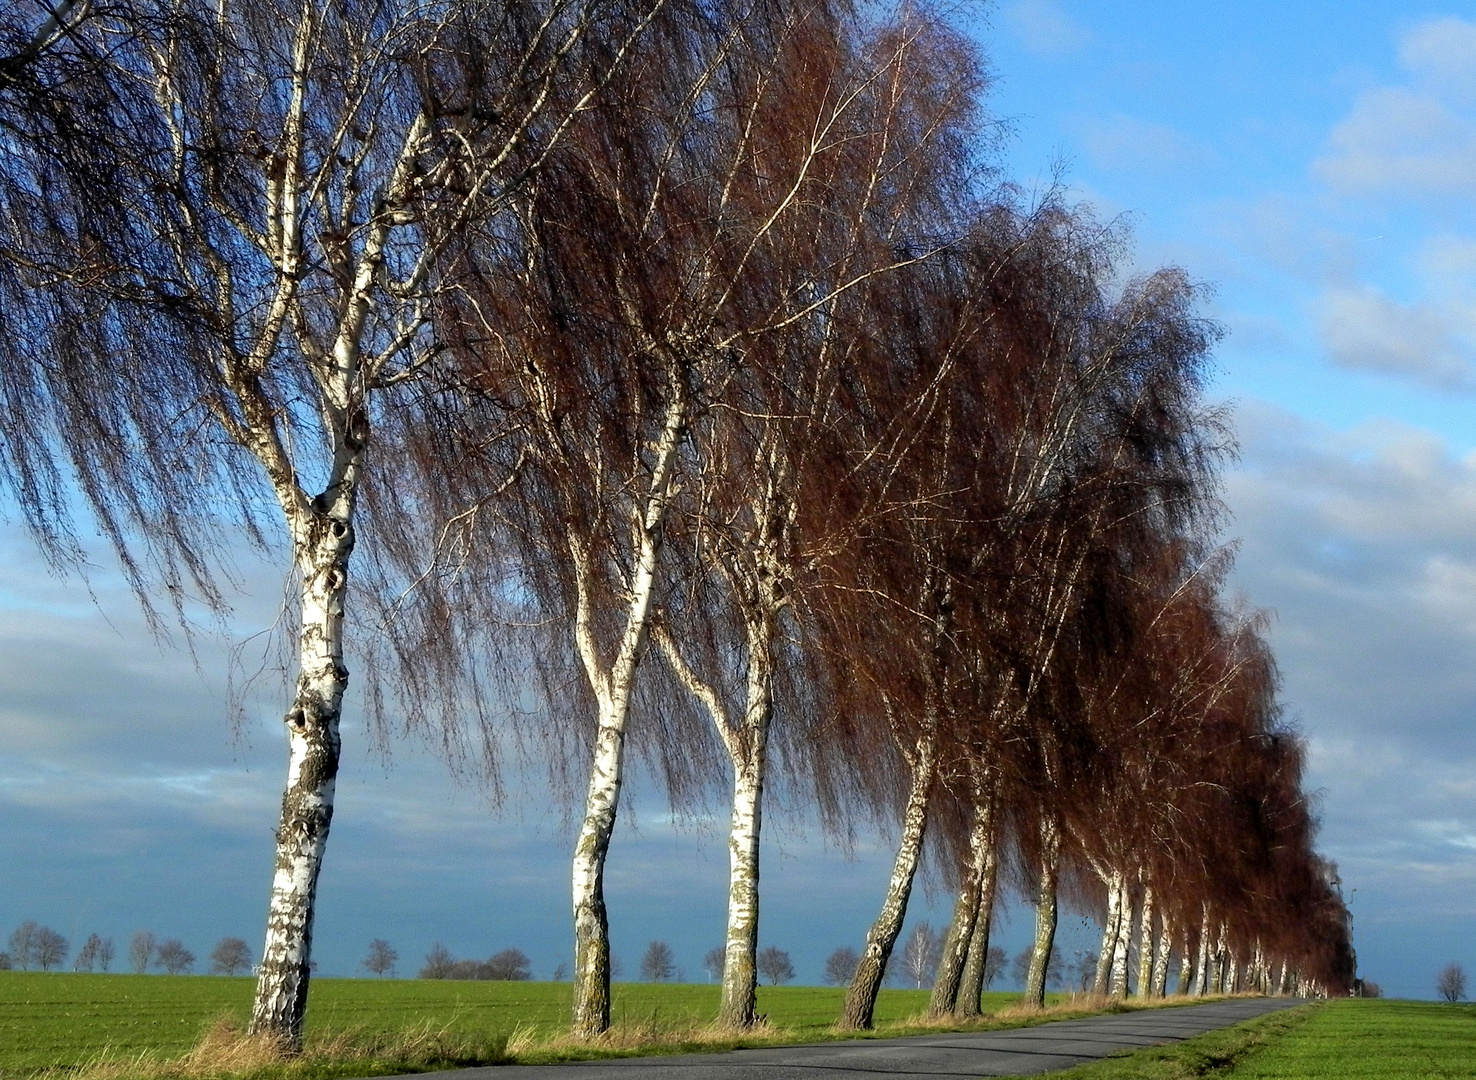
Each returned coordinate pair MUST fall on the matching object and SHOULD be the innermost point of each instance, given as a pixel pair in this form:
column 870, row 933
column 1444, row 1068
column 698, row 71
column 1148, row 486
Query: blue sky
column 1314, row 162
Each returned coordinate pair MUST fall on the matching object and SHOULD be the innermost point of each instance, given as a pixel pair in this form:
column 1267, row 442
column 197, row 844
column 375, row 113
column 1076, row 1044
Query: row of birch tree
column 688, row 370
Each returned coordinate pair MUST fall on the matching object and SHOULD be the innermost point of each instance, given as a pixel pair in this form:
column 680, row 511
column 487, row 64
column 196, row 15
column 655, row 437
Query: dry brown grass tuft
column 226, row 1050
column 651, row 1035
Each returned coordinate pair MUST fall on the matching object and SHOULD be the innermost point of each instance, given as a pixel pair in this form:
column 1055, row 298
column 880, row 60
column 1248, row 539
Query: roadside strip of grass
column 122, row 1027
column 1343, row 1039
column 1371, row 1039
column 1213, row 1054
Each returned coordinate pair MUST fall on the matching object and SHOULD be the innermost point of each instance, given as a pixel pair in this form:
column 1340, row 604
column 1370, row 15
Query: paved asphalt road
column 1014, row 1052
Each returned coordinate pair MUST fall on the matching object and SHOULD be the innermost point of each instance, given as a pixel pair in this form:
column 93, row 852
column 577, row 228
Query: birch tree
column 222, row 355
column 901, row 112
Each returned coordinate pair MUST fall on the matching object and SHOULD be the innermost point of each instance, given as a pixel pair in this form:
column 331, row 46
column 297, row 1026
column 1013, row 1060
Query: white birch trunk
column 1110, row 931
column 1118, row 988
column 591, row 922
column 749, row 751
column 1145, row 945
column 612, row 684
column 951, row 964
column 1281, row 983
column 1218, row 963
column 322, row 543
column 1045, row 914
column 1202, row 976
column 860, row 1005
column 1186, row 968
column 971, row 983
column 1161, row 961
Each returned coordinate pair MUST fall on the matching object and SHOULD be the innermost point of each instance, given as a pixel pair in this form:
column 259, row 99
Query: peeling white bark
column 971, row 983
column 1145, row 945
column 1218, row 963
column 1045, row 913
column 1118, row 987
column 860, row 1005
column 323, row 543
column 1110, row 931
column 612, row 682
column 1161, row 961
column 1202, row 978
column 956, row 945
column 1186, row 967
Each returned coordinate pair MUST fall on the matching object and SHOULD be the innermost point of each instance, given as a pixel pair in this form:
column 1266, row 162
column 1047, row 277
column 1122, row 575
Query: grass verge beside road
column 1335, row 1040
column 118, row 1027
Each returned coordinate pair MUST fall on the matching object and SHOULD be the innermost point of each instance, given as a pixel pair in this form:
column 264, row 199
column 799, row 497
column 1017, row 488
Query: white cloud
column 1417, row 139
column 1429, row 340
column 1364, row 329
column 1441, row 53
column 1045, row 28
column 1128, row 144
column 1364, row 542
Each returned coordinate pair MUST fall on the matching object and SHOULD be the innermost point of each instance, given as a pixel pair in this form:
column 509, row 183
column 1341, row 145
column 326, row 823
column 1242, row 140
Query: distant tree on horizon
column 774, row 964
column 994, row 964
column 438, row 963
column 920, row 954
column 509, row 965
column 96, row 952
column 840, row 966
column 174, row 957
column 230, row 956
column 381, row 958
column 34, row 945
column 141, row 951
column 714, row 961
column 22, row 944
column 1451, row 983
column 658, row 963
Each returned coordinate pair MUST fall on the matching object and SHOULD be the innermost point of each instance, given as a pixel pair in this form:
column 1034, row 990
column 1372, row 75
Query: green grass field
column 1390, row 1040
column 64, row 1020
column 1335, row 1040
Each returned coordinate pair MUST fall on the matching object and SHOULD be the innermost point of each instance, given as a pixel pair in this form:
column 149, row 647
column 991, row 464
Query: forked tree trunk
column 860, row 1005
column 1120, row 947
column 322, row 543
column 1161, row 961
column 1145, row 945
column 748, row 751
column 611, row 683
column 965, row 914
column 1045, row 914
column 1110, row 931
column 971, row 982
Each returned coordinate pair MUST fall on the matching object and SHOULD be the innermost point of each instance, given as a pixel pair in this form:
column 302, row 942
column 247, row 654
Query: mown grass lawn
column 63, row 1020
